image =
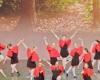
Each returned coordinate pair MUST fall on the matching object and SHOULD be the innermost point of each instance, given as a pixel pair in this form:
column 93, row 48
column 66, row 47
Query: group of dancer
column 75, row 57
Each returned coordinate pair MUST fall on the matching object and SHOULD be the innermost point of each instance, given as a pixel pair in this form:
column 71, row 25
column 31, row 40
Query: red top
column 38, row 70
column 32, row 54
column 87, row 57
column 2, row 46
column 88, row 72
column 63, row 42
column 12, row 50
column 79, row 50
column 53, row 52
column 96, row 47
column 59, row 67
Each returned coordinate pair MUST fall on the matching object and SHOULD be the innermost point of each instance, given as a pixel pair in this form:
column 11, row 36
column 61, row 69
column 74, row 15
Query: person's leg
column 99, row 66
column 73, row 70
column 64, row 62
column 68, row 70
column 12, row 70
column 59, row 78
column 1, row 71
column 15, row 69
column 93, row 62
column 31, row 77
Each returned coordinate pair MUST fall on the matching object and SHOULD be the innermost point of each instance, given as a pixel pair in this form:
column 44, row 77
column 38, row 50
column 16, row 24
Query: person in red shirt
column 64, row 44
column 96, row 51
column 32, row 57
column 39, row 72
column 57, row 71
column 75, row 54
column 53, row 52
column 2, row 47
column 87, row 72
column 87, row 58
column 13, row 55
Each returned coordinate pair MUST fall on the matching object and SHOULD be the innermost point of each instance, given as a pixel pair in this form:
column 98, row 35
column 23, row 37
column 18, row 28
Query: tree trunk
column 96, row 15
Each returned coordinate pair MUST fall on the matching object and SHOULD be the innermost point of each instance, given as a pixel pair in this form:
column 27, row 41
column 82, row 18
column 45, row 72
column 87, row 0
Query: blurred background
column 33, row 19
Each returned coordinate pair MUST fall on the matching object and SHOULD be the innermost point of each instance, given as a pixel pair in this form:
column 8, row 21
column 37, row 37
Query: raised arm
column 24, row 45
column 82, row 42
column 74, row 34
column 92, row 45
column 18, row 44
column 45, row 41
column 57, row 37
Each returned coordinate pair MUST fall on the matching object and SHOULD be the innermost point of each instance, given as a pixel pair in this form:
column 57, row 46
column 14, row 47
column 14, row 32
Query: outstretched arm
column 48, row 63
column 24, row 45
column 74, row 34
column 45, row 41
column 20, row 42
column 57, row 37
column 5, row 59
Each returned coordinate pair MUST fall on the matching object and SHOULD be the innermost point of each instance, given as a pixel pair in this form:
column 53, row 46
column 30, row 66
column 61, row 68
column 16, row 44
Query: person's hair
column 64, row 35
column 86, row 50
column 97, row 41
column 9, row 45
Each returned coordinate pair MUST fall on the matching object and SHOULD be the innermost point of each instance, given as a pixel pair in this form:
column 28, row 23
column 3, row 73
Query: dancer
column 13, row 55
column 53, row 52
column 87, row 72
column 39, row 72
column 75, row 53
column 87, row 58
column 64, row 44
column 2, row 47
column 57, row 71
column 32, row 59
column 96, row 50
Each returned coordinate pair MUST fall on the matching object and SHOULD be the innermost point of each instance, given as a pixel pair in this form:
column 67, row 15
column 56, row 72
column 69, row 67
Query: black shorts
column 41, row 76
column 75, row 61
column 14, row 58
column 31, row 64
column 86, row 77
column 97, row 56
column 36, row 78
column 64, row 51
column 53, row 60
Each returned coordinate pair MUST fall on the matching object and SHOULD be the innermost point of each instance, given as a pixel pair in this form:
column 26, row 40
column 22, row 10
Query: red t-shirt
column 88, row 72
column 79, row 50
column 32, row 54
column 12, row 50
column 96, row 47
column 38, row 70
column 63, row 42
column 2, row 46
column 53, row 52
column 87, row 57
